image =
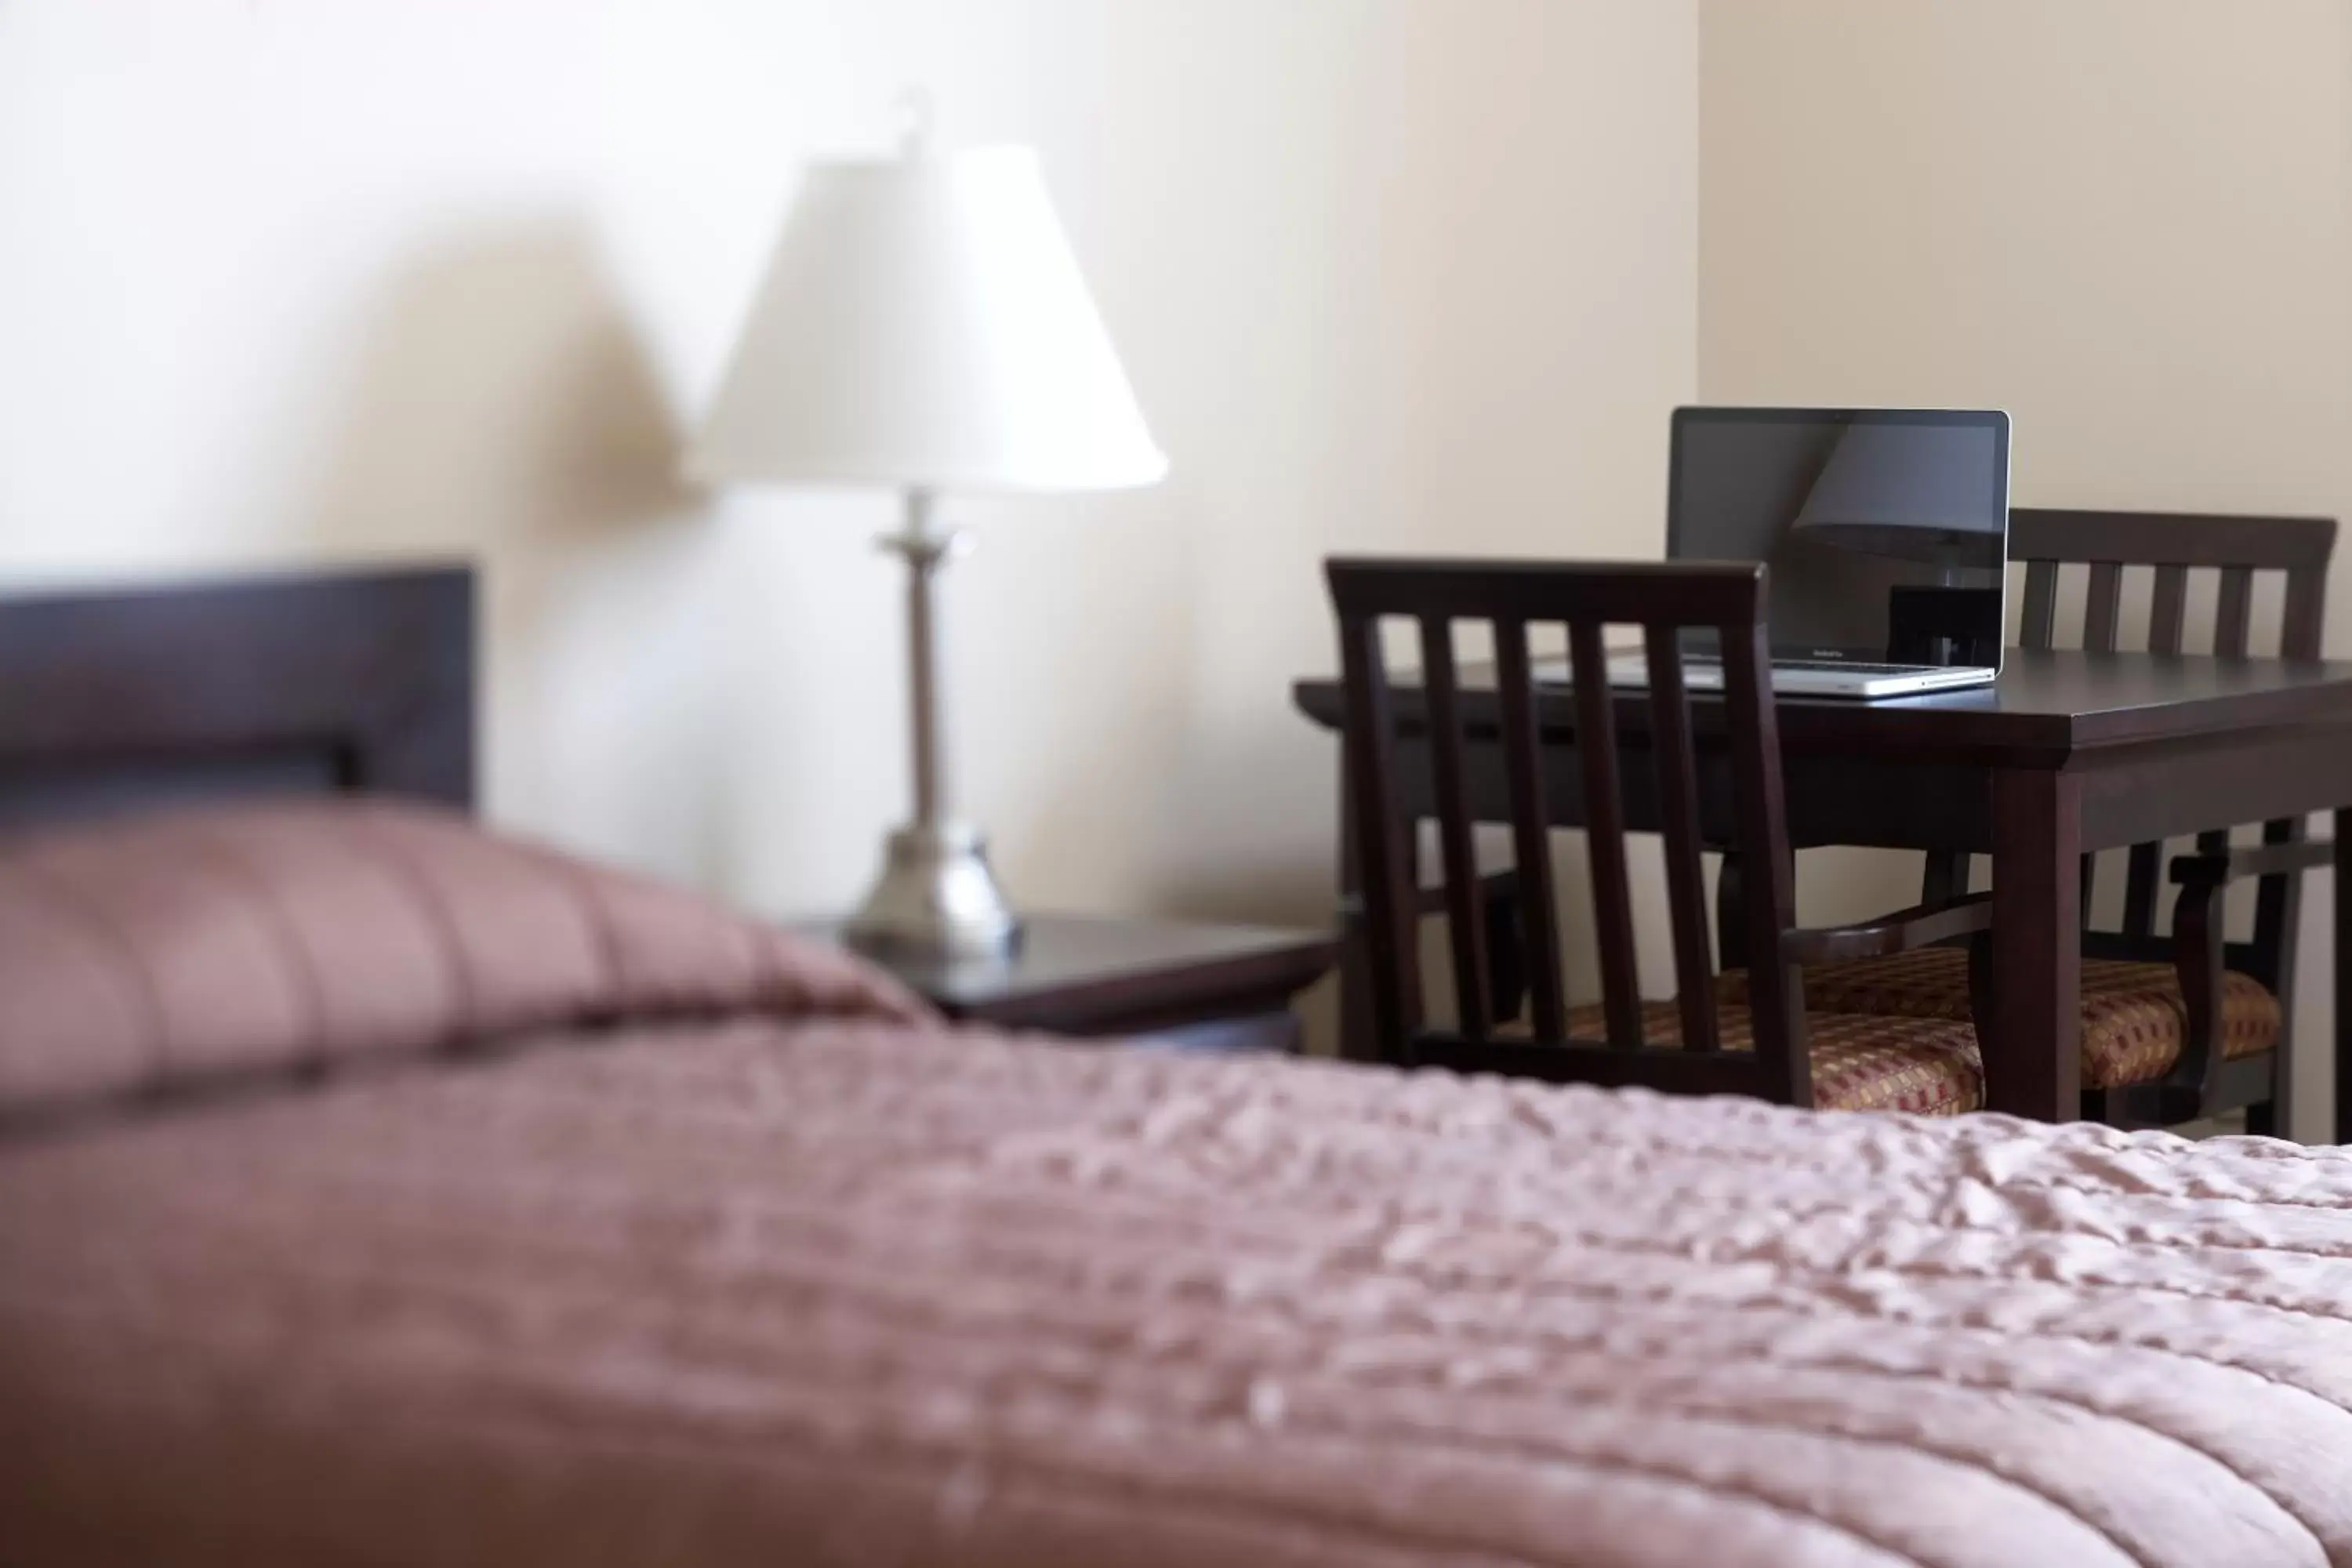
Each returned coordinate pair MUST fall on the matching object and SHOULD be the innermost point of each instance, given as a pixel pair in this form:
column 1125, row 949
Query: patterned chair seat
column 1927, row 1067
column 2133, row 1020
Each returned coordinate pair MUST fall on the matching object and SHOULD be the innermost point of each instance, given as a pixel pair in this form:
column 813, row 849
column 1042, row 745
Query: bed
column 377, row 1191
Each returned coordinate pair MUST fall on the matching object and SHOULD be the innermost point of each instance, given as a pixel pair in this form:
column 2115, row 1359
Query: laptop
column 1886, row 530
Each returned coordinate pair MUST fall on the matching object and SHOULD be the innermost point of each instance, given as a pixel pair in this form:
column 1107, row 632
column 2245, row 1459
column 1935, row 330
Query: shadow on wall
column 1275, row 779
column 500, row 407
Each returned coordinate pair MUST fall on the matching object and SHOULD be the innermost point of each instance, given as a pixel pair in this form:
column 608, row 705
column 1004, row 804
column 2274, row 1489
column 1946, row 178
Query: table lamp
column 924, row 326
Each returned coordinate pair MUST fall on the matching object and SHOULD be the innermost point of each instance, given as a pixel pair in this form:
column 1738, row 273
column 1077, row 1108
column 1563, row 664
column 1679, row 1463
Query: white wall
column 2124, row 220
column 288, row 281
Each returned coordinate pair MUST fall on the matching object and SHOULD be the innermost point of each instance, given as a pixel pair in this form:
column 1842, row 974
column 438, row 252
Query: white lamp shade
column 924, row 324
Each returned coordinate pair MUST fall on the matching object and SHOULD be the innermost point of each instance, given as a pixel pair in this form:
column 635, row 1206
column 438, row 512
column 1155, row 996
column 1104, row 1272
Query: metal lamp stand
column 936, row 896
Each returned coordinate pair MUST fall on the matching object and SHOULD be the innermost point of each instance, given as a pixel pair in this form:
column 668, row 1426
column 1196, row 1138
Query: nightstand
column 1202, row 987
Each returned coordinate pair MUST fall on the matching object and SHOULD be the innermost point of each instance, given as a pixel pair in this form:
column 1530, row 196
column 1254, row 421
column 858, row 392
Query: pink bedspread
column 844, row 1292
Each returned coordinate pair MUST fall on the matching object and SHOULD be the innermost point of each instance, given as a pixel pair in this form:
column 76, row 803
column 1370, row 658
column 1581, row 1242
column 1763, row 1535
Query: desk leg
column 2342, row 946
column 2033, row 1058
column 1355, row 961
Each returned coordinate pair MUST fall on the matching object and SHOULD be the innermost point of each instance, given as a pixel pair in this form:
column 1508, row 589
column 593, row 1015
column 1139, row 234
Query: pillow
column 167, row 951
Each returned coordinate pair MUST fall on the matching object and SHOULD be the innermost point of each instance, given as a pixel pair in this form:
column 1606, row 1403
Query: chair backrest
column 2175, row 544
column 1443, row 717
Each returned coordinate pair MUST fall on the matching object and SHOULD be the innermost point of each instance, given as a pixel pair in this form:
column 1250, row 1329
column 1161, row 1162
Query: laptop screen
column 1886, row 530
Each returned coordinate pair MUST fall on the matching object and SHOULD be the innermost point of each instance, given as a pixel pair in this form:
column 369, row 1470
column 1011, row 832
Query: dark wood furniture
column 2069, row 751
column 137, row 698
column 129, row 698
column 1498, row 901
column 1662, row 600
column 2239, row 548
column 1205, row 987
column 2104, row 546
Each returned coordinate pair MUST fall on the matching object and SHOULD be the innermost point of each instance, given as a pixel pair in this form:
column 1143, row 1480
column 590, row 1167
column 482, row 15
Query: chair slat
column 2104, row 609
column 2233, row 617
column 2168, row 614
column 1465, row 919
column 1672, row 752
column 1530, row 827
column 1389, row 901
column 1775, row 998
column 1604, row 825
column 2040, row 628
column 2304, row 619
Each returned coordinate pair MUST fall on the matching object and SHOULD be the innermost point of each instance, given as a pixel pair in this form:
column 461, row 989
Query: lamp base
column 936, row 898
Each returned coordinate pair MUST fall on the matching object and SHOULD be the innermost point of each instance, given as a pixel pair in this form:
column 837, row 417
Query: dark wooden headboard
column 124, row 698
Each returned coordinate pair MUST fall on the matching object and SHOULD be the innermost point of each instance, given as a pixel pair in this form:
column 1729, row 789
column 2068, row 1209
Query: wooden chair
column 1498, row 901
column 1768, row 1046
column 2181, row 1028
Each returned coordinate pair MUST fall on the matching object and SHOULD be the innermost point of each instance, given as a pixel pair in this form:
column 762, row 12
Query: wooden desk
column 2068, row 753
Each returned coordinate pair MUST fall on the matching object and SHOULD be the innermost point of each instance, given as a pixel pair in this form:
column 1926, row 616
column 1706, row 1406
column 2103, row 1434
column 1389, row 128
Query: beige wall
column 292, row 281
column 287, row 283
column 2123, row 220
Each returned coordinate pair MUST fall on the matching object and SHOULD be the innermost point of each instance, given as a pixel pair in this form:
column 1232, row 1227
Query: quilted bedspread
column 845, row 1292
